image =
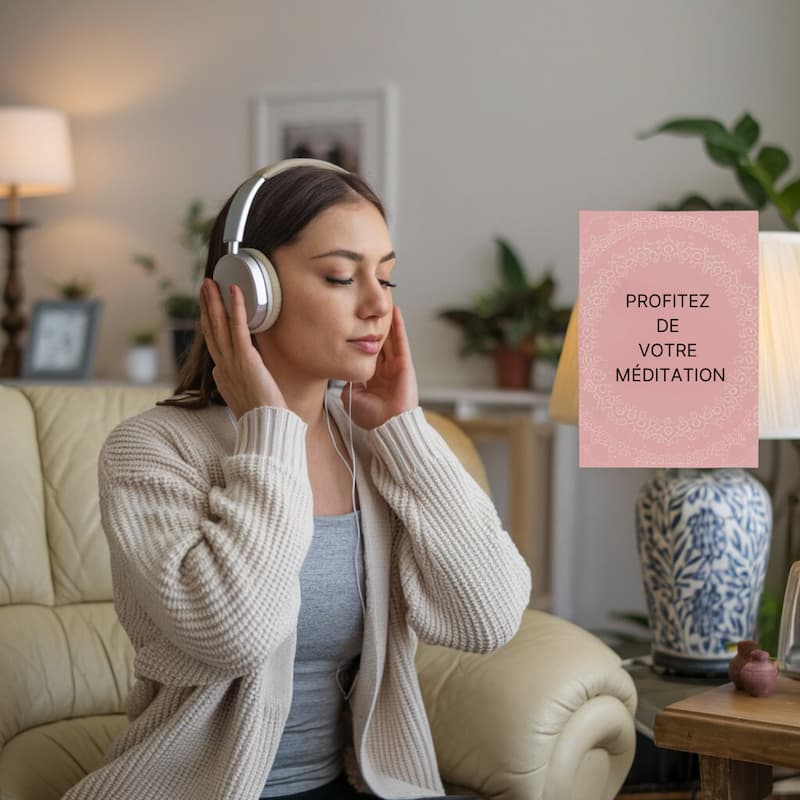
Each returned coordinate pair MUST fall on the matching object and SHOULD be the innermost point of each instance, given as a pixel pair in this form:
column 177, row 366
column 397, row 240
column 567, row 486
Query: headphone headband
column 243, row 199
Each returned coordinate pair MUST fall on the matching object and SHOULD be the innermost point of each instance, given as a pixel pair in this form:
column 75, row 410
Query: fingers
column 217, row 321
column 402, row 348
column 205, row 325
column 240, row 333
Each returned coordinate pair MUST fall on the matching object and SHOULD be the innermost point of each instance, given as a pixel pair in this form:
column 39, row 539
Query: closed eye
column 348, row 281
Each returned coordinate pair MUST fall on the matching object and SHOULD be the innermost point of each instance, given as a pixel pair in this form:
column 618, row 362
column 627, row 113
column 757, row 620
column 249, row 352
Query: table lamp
column 35, row 159
column 694, row 620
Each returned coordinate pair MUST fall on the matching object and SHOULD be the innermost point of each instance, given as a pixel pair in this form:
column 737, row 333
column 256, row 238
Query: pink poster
column 668, row 339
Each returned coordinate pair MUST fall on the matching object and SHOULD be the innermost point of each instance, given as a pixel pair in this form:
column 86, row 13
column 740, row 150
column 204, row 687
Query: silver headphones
column 248, row 268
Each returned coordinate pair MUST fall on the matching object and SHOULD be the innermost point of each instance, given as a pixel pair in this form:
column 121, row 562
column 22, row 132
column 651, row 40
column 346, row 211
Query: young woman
column 278, row 546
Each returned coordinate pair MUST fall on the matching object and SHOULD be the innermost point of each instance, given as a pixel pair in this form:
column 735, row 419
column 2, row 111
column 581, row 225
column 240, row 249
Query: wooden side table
column 739, row 738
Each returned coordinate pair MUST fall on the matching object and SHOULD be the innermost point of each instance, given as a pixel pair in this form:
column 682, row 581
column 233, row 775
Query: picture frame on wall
column 62, row 339
column 354, row 129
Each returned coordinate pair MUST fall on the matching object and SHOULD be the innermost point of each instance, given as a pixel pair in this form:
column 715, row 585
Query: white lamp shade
column 779, row 335
column 35, row 151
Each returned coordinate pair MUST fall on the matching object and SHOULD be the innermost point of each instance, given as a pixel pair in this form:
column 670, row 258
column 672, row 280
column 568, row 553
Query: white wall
column 513, row 116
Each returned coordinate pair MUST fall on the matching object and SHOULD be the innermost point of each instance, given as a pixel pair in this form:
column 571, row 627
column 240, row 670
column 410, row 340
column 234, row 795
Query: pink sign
column 668, row 339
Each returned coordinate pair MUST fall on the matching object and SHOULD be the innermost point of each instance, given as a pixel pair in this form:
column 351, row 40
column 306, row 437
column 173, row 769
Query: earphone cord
column 351, row 470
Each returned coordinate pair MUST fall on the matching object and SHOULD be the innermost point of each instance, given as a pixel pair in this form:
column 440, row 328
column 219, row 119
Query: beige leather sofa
column 550, row 715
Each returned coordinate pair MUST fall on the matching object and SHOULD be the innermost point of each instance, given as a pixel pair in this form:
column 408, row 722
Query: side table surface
column 727, row 723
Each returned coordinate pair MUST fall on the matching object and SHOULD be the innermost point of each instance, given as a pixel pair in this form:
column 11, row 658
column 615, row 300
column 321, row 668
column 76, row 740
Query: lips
column 371, row 346
column 366, row 339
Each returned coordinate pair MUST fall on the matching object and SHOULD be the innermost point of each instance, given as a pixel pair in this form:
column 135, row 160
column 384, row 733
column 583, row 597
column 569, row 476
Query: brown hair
column 282, row 207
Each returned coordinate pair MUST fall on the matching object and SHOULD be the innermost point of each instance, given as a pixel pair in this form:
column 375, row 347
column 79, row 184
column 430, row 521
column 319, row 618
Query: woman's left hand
column 393, row 388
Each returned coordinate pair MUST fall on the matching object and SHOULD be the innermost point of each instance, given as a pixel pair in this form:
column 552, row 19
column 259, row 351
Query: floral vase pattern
column 703, row 538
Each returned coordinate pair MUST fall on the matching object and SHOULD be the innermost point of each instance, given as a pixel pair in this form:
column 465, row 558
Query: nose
column 375, row 299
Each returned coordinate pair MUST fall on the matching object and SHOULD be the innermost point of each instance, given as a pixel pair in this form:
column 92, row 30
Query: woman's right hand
column 239, row 371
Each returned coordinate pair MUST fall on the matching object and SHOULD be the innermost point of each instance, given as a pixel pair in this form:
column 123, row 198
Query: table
column 738, row 737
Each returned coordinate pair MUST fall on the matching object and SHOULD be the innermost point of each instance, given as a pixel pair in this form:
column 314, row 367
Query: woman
column 273, row 589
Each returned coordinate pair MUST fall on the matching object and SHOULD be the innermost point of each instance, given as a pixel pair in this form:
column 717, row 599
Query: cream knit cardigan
column 208, row 523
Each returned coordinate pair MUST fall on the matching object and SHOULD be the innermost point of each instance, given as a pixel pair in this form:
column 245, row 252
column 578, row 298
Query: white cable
column 355, row 514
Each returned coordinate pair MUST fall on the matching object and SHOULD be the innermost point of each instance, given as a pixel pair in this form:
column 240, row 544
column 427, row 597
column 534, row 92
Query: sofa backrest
column 63, row 652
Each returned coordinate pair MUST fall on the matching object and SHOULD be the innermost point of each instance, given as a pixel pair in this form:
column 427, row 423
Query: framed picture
column 62, row 340
column 354, row 129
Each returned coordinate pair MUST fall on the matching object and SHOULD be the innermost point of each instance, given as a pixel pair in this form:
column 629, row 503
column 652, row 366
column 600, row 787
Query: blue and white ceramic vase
column 703, row 538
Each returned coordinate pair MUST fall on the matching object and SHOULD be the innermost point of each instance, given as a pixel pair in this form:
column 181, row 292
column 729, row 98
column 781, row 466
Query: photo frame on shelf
column 352, row 128
column 62, row 340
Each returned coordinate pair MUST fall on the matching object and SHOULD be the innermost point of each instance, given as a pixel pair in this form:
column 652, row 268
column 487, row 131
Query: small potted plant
column 515, row 323
column 75, row 288
column 141, row 364
column 182, row 308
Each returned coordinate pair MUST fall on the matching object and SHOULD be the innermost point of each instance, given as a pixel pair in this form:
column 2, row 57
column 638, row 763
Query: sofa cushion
column 43, row 762
column 61, row 662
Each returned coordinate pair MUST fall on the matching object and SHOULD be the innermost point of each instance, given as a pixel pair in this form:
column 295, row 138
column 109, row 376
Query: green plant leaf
column 746, row 130
column 143, row 337
column 182, row 306
column 145, row 261
column 686, row 126
column 790, row 198
column 692, row 202
column 711, row 130
column 732, row 204
column 512, row 273
column 517, row 332
column 773, row 160
column 751, row 185
column 721, row 155
column 635, row 618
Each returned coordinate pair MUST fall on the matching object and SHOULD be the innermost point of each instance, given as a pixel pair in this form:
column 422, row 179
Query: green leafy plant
column 143, row 337
column 194, row 232
column 756, row 168
column 75, row 288
column 516, row 314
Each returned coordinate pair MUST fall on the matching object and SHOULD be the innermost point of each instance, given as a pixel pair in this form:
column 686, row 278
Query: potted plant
column 182, row 308
column 515, row 322
column 141, row 363
column 75, row 288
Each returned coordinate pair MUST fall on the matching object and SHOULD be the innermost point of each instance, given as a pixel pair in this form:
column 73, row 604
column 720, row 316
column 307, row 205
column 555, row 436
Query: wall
column 512, row 117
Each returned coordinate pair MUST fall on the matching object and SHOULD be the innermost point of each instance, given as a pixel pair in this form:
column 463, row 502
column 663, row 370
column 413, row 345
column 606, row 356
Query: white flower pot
column 141, row 364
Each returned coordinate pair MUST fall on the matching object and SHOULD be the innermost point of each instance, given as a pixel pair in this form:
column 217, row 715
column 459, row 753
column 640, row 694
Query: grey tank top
column 329, row 636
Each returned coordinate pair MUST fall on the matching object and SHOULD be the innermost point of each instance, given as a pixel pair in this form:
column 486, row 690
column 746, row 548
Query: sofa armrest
column 548, row 716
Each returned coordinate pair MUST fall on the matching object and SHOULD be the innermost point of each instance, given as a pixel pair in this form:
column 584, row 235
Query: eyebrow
column 353, row 256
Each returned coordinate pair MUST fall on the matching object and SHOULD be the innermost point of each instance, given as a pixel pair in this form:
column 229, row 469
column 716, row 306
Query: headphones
column 248, row 268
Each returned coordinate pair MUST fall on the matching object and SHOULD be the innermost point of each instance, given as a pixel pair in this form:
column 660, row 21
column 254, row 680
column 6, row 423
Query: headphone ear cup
column 273, row 286
column 253, row 273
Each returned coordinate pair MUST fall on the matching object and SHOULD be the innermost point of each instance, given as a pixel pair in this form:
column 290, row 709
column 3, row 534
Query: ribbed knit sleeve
column 216, row 567
column 464, row 581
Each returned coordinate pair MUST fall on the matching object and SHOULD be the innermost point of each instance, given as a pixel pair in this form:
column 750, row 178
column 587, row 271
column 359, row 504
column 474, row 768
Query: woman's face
column 320, row 317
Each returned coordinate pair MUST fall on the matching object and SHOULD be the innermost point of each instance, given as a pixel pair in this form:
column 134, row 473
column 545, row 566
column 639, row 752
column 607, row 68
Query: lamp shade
column 35, row 151
column 779, row 335
column 564, row 398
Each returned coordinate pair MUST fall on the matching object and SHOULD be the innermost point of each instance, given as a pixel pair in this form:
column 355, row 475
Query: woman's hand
column 393, row 388
column 239, row 371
